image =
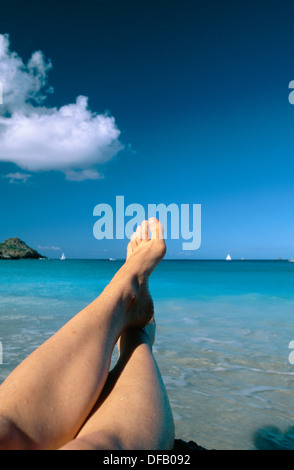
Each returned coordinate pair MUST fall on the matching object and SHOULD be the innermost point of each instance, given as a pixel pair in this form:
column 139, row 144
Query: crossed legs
column 133, row 411
column 63, row 396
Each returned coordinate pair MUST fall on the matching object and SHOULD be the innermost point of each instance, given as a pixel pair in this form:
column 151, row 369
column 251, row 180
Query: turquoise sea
column 222, row 345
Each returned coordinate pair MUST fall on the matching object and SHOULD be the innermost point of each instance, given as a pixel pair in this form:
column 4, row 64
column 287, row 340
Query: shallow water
column 223, row 331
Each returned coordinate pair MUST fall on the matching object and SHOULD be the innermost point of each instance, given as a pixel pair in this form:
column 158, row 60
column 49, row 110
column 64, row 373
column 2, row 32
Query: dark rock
column 182, row 446
column 271, row 438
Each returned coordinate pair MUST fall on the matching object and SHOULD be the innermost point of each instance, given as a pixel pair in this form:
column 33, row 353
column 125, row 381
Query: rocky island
column 14, row 248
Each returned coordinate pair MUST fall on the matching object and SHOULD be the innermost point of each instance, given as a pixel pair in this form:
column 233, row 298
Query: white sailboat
column 63, row 256
column 228, row 258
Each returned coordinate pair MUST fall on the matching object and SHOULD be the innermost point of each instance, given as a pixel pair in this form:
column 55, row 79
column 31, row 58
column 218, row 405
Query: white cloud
column 90, row 174
column 71, row 139
column 46, row 248
column 17, row 177
column 23, row 84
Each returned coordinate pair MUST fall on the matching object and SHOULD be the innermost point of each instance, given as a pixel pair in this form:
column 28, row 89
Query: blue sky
column 199, row 95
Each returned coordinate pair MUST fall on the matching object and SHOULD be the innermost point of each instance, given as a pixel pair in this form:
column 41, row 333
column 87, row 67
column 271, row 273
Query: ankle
column 132, row 339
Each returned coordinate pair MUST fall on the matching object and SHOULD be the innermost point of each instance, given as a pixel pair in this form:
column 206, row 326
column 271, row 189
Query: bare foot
column 144, row 252
column 144, row 249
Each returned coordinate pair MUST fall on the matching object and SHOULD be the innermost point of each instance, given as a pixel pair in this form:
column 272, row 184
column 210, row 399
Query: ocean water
column 222, row 344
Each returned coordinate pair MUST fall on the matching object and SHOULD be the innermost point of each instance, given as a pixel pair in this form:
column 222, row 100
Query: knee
column 13, row 438
column 100, row 440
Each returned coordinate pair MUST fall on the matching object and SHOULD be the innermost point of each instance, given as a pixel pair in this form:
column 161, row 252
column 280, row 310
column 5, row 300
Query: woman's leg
column 46, row 399
column 133, row 411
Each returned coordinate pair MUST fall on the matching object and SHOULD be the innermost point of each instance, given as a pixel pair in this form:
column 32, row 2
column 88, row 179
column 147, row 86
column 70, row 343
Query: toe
column 156, row 228
column 133, row 241
column 129, row 250
column 139, row 232
column 145, row 230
